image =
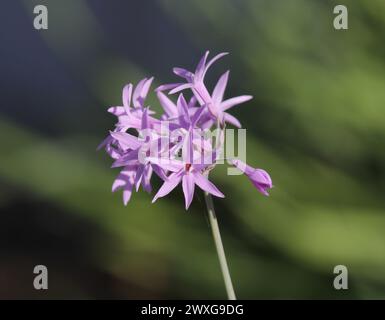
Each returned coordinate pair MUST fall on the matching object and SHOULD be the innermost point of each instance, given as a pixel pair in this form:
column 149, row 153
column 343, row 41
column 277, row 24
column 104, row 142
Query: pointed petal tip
column 167, row 86
column 219, row 195
column 222, row 54
column 180, row 88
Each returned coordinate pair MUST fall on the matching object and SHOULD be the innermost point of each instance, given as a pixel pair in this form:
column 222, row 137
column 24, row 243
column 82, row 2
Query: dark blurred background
column 316, row 123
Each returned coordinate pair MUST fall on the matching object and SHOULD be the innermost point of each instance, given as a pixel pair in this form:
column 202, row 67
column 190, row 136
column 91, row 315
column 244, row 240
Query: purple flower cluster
column 175, row 146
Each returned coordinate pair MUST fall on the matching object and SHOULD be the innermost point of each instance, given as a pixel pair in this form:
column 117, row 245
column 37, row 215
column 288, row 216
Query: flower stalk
column 219, row 246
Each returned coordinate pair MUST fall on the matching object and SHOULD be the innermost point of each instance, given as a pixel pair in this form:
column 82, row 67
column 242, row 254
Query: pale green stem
column 219, row 247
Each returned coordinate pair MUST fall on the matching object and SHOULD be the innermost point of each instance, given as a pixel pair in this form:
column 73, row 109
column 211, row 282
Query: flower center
column 187, row 166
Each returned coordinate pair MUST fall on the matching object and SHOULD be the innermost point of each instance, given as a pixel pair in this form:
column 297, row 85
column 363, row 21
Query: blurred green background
column 316, row 124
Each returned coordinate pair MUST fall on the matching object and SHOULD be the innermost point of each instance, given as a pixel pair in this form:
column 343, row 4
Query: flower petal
column 193, row 101
column 137, row 92
column 187, row 149
column 206, row 123
column 220, row 87
column 159, row 171
column 206, row 185
column 182, row 107
column 104, row 143
column 166, row 164
column 167, row 86
column 144, row 124
column 183, row 73
column 129, row 121
column 180, row 88
column 188, row 186
column 231, row 119
column 146, row 180
column 261, row 180
column 127, row 195
column 168, row 106
column 143, row 93
column 218, row 56
column 169, row 185
column 197, row 115
column 117, row 111
column 146, row 88
column 126, row 140
column 129, row 158
column 139, row 177
column 229, row 103
column 126, row 97
column 125, row 181
column 200, row 69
